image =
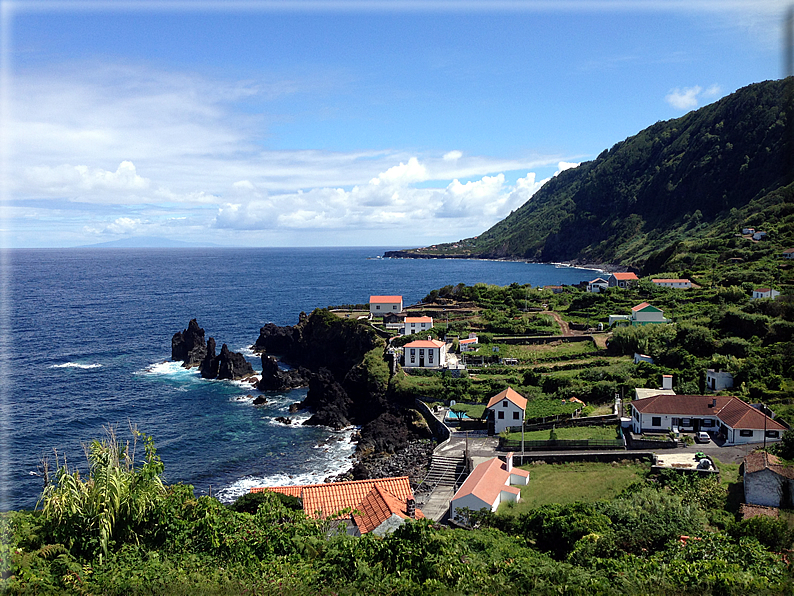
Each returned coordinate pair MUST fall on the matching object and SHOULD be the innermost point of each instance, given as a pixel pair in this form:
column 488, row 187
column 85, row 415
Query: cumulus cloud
column 565, row 165
column 689, row 98
column 453, row 156
column 68, row 179
column 122, row 225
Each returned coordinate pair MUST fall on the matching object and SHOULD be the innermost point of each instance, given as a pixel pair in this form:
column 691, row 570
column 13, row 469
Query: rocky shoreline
column 407, row 254
column 347, row 370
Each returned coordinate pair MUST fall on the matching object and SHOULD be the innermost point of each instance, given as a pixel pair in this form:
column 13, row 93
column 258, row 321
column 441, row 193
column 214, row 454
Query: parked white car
column 702, row 437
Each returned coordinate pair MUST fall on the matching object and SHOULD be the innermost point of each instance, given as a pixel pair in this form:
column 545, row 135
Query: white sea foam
column 333, row 459
column 75, row 365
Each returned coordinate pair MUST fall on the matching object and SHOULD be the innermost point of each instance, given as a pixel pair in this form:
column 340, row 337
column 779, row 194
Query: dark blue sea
column 87, row 341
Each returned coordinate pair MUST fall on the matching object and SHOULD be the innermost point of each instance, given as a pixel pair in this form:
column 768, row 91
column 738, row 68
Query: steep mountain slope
column 654, row 189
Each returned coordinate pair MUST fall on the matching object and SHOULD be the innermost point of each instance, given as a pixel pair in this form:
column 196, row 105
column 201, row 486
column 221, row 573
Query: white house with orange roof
column 622, row 280
column 645, row 314
column 736, row 421
column 765, row 293
column 380, row 305
column 470, row 344
column 673, row 283
column 489, row 484
column 425, row 353
column 506, row 409
column 417, row 325
column 598, row 284
column 378, row 505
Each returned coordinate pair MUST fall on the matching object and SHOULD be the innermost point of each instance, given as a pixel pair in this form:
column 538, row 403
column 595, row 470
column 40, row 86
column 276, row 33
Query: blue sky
column 339, row 123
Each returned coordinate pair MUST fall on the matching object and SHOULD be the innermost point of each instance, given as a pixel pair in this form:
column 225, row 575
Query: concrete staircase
column 445, row 471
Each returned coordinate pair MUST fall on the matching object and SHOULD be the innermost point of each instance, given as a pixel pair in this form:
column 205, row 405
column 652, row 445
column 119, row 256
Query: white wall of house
column 718, row 380
column 673, row 283
column 666, row 422
column 471, row 502
column 425, row 357
column 412, row 327
column 647, row 315
column 597, row 286
column 765, row 294
column 378, row 309
column 764, row 487
column 506, row 414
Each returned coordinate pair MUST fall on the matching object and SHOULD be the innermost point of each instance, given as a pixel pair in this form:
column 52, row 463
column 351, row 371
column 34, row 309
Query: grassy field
column 535, row 353
column 581, row 433
column 577, row 481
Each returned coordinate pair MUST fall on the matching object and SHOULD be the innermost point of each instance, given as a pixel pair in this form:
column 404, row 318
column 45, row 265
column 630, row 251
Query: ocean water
column 87, row 340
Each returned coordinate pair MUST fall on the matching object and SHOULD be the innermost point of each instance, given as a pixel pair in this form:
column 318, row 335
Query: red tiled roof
column 292, row 491
column 760, row 460
column 762, row 290
column 788, row 251
column 731, row 410
column 424, row 343
column 322, row 500
column 381, row 299
column 488, row 480
column 378, row 506
column 640, row 306
column 471, row 340
column 511, row 395
column 418, row 319
column 624, row 276
column 597, row 280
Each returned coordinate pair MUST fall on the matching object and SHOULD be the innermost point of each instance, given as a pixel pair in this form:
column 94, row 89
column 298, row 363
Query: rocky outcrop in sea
column 189, row 347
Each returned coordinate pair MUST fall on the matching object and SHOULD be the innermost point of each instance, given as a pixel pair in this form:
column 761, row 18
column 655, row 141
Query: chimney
column 509, row 462
column 410, row 508
column 713, row 402
column 667, row 382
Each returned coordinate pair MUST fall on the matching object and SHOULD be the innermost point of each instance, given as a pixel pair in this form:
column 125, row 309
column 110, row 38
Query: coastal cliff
column 343, row 364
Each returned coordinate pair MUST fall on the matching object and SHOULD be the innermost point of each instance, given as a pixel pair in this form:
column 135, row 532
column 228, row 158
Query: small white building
column 380, row 305
column 718, row 380
column 622, row 280
column 425, row 353
column 788, row 253
column 646, row 314
column 469, row 345
column 417, row 325
column 673, row 283
column 767, row 481
column 748, row 231
column 487, row 486
column 765, row 293
column 597, row 285
column 619, row 319
column 506, row 409
column 759, row 235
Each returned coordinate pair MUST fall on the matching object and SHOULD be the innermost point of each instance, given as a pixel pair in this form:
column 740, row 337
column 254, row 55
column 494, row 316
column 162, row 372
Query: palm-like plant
column 115, row 500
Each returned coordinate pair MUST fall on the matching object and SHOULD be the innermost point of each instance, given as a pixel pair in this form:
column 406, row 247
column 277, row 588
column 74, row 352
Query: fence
column 559, row 444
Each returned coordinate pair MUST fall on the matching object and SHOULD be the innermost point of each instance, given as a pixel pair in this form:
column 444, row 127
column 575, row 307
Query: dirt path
column 566, row 331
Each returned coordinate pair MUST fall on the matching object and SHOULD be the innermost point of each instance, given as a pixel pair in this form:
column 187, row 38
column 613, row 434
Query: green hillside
column 698, row 176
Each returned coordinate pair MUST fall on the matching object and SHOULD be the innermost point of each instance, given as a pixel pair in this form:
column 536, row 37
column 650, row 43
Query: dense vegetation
column 692, row 178
column 118, row 530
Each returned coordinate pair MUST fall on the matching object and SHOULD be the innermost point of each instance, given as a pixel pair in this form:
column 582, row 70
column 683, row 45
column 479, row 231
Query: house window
column 745, row 433
column 421, row 351
column 394, row 307
column 413, row 359
column 504, row 404
column 413, row 351
column 501, row 415
column 515, row 415
column 377, row 307
column 686, row 422
column 676, row 421
column 430, row 356
column 772, row 434
column 707, row 423
column 656, row 421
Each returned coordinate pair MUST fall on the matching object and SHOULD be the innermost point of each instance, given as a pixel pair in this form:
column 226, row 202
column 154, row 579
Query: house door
column 491, row 423
column 421, row 361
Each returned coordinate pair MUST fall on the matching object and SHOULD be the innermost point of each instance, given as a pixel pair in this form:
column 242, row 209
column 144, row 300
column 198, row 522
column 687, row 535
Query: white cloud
column 565, row 165
column 683, row 99
column 68, row 179
column 689, row 98
column 453, row 156
column 123, row 225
